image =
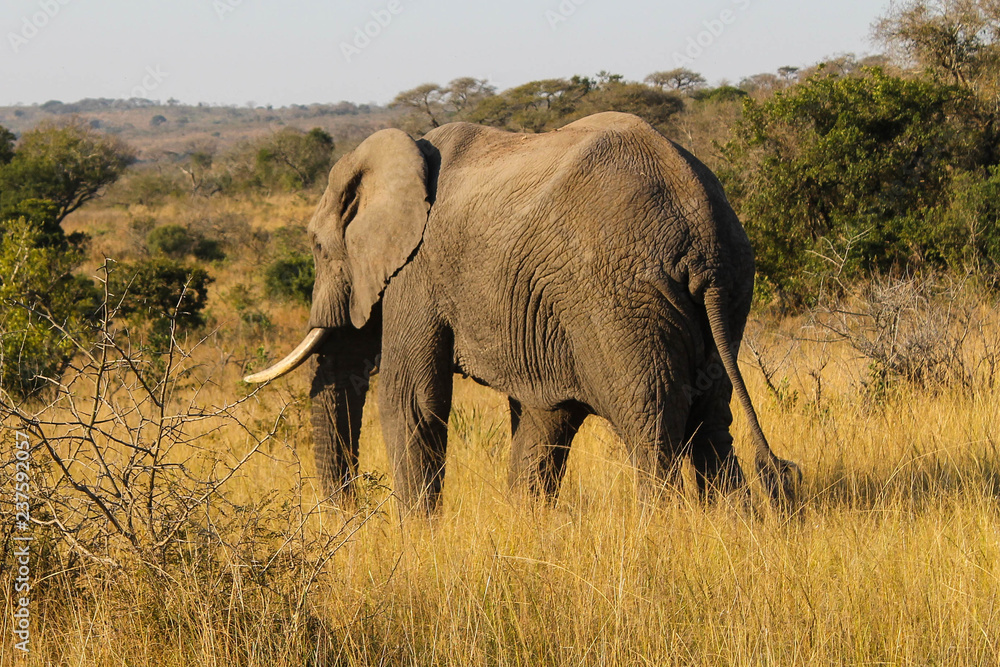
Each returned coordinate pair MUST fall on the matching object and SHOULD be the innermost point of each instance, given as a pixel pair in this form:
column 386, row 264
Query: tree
column 7, row 139
column 535, row 106
column 958, row 40
column 46, row 312
column 198, row 167
column 65, row 163
column 788, row 72
column 426, row 99
column 842, row 161
column 466, row 92
column 681, row 79
column 295, row 159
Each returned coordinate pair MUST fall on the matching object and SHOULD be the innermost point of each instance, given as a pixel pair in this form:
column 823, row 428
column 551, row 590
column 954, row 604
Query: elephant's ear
column 385, row 211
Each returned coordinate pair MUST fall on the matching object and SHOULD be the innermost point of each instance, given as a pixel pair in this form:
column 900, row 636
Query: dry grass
column 893, row 558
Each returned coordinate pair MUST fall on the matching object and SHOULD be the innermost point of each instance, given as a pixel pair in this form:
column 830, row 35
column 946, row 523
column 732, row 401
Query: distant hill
column 158, row 129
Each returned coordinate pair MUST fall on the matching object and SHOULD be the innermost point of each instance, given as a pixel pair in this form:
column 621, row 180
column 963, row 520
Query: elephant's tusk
column 294, row 358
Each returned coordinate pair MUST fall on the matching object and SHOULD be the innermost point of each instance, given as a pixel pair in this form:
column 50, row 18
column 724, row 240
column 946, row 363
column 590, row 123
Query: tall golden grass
column 893, row 556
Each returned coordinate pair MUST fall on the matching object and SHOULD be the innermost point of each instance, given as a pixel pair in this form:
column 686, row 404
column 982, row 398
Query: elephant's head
column 367, row 226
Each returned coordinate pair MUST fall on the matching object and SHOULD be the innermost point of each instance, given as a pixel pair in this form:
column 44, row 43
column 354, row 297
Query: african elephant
column 597, row 269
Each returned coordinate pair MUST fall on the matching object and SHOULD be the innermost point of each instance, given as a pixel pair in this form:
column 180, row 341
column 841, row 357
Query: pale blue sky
column 235, row 51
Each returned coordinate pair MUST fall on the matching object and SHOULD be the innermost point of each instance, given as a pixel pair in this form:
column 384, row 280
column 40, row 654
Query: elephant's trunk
column 313, row 339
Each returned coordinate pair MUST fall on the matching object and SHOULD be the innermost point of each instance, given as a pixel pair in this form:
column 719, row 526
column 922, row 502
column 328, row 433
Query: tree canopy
column 67, row 164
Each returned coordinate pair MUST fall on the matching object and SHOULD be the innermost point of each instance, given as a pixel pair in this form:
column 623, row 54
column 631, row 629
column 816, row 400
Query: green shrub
column 965, row 231
column 46, row 312
column 291, row 277
column 177, row 241
column 843, row 166
column 171, row 240
column 155, row 293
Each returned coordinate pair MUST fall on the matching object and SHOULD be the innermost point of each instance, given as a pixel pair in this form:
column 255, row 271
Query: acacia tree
column 431, row 105
column 680, row 79
column 425, row 100
column 465, row 92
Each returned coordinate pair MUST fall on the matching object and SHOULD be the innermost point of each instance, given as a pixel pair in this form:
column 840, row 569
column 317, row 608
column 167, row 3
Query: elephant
column 597, row 269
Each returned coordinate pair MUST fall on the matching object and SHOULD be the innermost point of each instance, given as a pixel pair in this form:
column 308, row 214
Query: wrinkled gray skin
column 597, row 269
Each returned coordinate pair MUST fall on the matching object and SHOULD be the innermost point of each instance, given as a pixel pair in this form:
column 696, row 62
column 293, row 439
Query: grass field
column 893, row 556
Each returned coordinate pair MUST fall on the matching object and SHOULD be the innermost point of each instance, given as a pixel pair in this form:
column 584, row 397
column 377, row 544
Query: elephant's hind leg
column 716, row 467
column 540, row 441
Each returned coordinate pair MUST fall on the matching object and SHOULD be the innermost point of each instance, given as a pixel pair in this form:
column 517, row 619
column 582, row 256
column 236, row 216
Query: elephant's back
column 539, row 245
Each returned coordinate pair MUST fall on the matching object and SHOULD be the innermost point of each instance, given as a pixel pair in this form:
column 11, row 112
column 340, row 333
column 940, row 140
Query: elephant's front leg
column 539, row 448
column 339, row 388
column 414, row 404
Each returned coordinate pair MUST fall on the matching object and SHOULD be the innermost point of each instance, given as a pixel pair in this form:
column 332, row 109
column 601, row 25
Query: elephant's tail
column 779, row 477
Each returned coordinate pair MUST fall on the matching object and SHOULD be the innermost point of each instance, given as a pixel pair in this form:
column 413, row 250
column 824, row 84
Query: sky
column 305, row 51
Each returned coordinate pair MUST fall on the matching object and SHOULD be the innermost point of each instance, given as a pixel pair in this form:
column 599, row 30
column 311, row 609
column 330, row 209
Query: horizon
column 238, row 52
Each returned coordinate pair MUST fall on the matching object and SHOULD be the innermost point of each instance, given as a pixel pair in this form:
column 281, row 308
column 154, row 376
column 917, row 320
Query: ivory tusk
column 294, row 358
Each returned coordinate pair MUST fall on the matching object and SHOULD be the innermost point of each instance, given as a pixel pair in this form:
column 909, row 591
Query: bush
column 291, row 277
column 926, row 331
column 146, row 187
column 46, row 312
column 838, row 162
column 177, row 242
column 159, row 294
column 965, row 231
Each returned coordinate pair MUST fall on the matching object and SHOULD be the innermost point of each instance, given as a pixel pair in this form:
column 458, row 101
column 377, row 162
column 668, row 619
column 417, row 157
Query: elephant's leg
column 414, row 402
column 338, row 392
column 712, row 455
column 716, row 466
column 540, row 441
column 654, row 433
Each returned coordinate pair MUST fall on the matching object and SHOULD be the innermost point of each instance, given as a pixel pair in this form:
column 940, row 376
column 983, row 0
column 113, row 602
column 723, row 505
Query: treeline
column 97, row 104
column 845, row 169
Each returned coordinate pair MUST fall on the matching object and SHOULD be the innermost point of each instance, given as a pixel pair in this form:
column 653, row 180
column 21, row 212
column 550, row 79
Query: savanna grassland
column 153, row 254
column 893, row 556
